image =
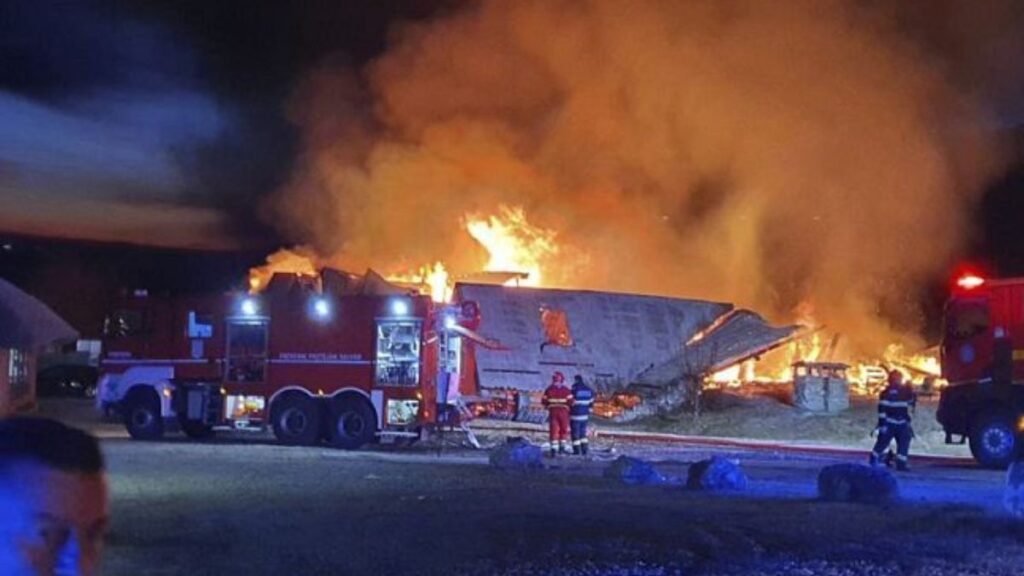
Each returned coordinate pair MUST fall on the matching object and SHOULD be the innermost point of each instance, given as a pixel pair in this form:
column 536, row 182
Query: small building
column 821, row 386
column 27, row 326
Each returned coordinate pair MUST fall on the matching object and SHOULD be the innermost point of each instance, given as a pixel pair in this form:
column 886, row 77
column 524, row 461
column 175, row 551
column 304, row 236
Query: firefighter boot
column 575, row 449
column 901, row 465
column 583, row 448
column 873, row 460
column 553, row 453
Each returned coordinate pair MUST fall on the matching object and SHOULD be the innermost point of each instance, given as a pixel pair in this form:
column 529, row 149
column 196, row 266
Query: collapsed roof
column 611, row 339
column 731, row 339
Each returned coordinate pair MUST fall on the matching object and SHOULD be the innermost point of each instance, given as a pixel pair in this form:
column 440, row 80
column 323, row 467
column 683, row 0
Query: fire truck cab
column 312, row 363
column 982, row 355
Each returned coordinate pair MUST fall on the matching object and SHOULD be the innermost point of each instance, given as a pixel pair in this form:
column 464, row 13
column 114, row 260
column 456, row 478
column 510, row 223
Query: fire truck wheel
column 142, row 415
column 353, row 423
column 296, row 420
column 992, row 441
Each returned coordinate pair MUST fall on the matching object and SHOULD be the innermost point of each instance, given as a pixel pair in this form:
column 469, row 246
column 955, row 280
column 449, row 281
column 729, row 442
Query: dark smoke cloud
column 820, row 156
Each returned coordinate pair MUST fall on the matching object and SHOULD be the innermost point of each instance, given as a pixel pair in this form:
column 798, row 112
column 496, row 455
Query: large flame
column 865, row 375
column 433, row 279
column 284, row 260
column 513, row 244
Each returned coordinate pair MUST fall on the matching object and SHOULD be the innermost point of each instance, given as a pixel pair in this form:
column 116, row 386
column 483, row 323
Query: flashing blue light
column 449, row 322
column 322, row 308
column 249, row 307
column 400, row 307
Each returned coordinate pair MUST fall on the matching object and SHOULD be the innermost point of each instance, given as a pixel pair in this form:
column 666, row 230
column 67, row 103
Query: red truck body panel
column 972, row 318
column 352, row 343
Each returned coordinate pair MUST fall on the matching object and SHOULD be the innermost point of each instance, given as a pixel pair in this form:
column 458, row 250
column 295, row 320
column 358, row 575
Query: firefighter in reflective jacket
column 579, row 414
column 558, row 400
column 894, row 404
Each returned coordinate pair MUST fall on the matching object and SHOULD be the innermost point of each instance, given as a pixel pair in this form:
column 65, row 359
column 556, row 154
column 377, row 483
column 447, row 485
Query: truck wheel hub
column 997, row 441
column 351, row 424
column 294, row 421
column 142, row 418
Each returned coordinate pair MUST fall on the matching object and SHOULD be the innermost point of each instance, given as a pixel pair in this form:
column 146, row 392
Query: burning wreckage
column 639, row 352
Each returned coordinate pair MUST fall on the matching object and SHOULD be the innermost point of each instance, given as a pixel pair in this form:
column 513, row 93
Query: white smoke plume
column 780, row 155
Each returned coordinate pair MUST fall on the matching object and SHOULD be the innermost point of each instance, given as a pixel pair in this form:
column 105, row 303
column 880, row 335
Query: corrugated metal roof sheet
column 28, row 323
column 742, row 335
column 615, row 336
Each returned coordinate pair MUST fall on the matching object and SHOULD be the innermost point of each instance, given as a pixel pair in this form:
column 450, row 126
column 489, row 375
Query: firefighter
column 558, row 400
column 894, row 405
column 579, row 414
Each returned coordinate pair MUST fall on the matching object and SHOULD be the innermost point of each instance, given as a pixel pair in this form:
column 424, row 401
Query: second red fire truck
column 983, row 360
column 326, row 359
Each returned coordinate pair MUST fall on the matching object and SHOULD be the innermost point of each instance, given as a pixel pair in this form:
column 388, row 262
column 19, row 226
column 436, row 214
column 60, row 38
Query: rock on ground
column 857, row 483
column 634, row 471
column 517, row 454
column 1013, row 493
column 716, row 473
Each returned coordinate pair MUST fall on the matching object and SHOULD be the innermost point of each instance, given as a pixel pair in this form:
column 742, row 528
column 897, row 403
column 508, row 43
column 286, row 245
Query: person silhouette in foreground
column 53, row 499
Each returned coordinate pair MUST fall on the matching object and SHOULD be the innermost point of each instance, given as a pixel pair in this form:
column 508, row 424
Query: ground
column 243, row 504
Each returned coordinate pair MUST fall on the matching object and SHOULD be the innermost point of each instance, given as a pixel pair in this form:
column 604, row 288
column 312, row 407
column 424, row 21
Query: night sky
column 162, row 122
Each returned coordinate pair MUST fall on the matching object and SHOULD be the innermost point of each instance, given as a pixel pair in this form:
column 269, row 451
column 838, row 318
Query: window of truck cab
column 123, row 324
column 967, row 318
column 398, row 351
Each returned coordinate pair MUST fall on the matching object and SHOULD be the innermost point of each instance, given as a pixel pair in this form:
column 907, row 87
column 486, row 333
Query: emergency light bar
column 249, row 307
column 321, row 308
column 970, row 282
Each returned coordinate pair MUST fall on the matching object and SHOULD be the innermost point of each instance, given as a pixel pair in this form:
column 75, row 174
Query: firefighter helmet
column 895, row 377
column 558, row 377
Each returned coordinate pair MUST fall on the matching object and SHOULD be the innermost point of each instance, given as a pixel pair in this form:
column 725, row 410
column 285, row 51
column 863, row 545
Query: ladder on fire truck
column 454, row 430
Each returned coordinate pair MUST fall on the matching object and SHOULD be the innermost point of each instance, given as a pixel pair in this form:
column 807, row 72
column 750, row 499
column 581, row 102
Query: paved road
column 241, row 505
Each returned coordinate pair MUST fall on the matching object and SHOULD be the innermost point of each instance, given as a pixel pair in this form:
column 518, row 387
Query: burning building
column 614, row 340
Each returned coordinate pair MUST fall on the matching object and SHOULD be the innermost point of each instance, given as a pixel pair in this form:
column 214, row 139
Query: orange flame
column 284, row 260
column 513, row 244
column 434, row 278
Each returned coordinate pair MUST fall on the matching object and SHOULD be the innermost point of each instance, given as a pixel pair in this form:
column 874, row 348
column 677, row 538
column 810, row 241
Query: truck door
column 967, row 340
column 246, row 351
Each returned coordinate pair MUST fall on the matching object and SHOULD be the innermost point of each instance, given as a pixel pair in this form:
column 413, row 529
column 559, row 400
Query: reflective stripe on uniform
column 578, row 418
column 894, row 403
column 895, row 421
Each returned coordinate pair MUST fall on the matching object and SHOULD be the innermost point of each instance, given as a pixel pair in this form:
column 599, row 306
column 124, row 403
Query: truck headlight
column 402, row 412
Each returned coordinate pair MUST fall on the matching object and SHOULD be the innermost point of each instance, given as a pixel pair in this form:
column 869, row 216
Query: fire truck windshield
column 967, row 318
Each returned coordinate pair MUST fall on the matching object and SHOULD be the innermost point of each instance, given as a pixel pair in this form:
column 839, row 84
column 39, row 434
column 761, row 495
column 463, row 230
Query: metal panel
column 616, row 336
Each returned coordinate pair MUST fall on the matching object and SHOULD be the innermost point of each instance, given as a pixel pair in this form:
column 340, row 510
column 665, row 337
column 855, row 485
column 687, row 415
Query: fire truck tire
column 993, row 441
column 142, row 415
column 296, row 420
column 353, row 423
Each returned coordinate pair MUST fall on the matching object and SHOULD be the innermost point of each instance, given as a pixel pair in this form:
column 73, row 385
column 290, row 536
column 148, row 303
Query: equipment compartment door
column 247, row 351
column 398, row 352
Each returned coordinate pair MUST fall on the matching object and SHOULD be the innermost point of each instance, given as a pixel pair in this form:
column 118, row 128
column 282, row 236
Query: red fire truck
column 983, row 360
column 313, row 361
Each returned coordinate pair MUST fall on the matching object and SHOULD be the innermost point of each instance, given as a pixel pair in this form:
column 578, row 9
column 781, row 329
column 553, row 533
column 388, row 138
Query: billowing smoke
column 808, row 155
